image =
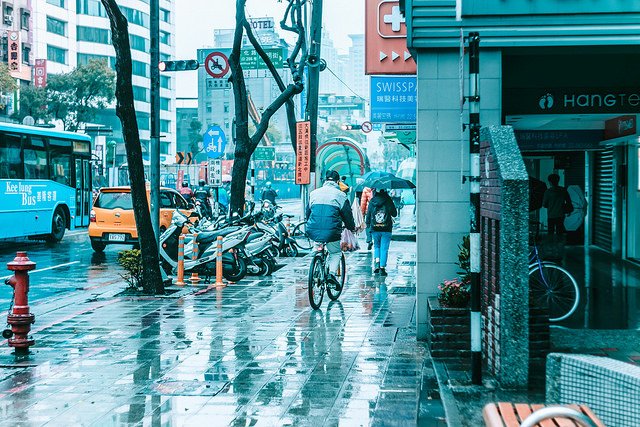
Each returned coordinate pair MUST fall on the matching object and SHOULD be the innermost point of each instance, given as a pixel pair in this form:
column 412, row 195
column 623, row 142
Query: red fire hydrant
column 19, row 317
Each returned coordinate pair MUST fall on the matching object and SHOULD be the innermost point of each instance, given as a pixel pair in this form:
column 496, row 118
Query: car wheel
column 98, row 246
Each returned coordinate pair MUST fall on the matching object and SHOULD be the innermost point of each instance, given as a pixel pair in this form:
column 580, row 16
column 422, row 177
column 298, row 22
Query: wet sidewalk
column 253, row 353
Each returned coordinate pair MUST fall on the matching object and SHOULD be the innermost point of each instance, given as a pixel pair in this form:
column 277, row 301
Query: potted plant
column 449, row 312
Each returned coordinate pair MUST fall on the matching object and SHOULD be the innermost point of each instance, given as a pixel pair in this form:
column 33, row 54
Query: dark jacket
column 328, row 209
column 554, row 199
column 201, row 193
column 378, row 200
column 270, row 195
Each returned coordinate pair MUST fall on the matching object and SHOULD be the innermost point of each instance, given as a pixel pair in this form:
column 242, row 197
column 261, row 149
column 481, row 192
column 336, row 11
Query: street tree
column 7, row 83
column 246, row 141
column 73, row 98
column 195, row 137
column 152, row 278
column 76, row 97
column 33, row 102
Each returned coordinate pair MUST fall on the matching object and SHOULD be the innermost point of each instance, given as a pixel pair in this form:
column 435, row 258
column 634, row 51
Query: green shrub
column 131, row 261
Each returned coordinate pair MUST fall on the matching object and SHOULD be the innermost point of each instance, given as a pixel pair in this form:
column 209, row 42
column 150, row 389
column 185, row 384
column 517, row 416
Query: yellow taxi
column 112, row 220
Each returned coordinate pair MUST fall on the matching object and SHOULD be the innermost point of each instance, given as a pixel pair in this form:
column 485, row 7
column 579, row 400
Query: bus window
column 35, row 164
column 10, row 162
column 60, row 166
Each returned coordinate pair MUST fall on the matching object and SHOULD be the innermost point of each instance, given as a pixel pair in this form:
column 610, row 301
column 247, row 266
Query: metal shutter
column 603, row 199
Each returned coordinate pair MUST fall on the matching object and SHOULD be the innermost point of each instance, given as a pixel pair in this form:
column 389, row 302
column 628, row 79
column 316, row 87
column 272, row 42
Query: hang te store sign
column 394, row 99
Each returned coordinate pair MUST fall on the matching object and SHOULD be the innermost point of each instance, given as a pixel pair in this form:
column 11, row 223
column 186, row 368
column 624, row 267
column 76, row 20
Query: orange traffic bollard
column 180, row 279
column 219, row 282
column 194, row 256
column 19, row 316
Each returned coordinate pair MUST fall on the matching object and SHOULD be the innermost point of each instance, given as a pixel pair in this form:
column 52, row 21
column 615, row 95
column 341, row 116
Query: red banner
column 40, row 73
column 303, row 152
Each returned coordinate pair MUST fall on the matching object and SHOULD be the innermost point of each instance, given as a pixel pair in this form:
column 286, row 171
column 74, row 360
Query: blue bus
column 45, row 182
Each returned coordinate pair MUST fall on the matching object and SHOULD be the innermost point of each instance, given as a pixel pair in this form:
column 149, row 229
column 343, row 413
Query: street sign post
column 215, row 172
column 265, row 154
column 216, row 64
column 214, row 141
column 303, row 153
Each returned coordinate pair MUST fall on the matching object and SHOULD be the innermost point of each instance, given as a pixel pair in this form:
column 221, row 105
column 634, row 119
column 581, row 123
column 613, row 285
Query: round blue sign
column 214, row 141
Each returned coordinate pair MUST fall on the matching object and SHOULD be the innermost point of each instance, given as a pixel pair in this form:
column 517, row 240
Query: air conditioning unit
column 8, row 19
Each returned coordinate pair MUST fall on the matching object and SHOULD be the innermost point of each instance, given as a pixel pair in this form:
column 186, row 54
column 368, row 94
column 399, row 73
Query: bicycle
column 551, row 285
column 319, row 277
column 299, row 236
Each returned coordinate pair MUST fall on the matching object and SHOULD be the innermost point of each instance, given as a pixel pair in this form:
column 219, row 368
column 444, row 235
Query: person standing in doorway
column 380, row 213
column 558, row 204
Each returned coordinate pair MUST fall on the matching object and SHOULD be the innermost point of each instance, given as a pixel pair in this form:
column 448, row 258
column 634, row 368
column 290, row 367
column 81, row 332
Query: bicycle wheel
column 316, row 282
column 332, row 290
column 554, row 287
column 299, row 236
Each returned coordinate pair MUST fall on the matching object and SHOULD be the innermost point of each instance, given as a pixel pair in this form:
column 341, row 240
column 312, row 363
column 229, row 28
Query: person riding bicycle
column 328, row 209
column 202, row 195
column 270, row 194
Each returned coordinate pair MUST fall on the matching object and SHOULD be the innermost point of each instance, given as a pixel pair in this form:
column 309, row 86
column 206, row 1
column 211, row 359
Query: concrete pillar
column 442, row 158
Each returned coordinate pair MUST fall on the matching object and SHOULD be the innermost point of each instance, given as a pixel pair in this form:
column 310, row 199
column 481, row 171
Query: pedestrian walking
column 367, row 195
column 380, row 213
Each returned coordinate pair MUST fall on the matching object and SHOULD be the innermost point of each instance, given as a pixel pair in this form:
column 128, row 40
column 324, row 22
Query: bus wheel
column 58, row 226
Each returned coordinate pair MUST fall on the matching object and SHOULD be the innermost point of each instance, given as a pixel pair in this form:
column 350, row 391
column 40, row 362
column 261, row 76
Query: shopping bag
column 348, row 241
column 357, row 216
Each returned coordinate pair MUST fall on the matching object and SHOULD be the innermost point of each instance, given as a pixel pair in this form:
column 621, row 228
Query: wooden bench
column 506, row 414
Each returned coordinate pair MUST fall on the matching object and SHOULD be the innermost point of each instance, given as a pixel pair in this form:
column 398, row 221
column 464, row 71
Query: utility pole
column 313, row 86
column 474, row 207
column 154, row 161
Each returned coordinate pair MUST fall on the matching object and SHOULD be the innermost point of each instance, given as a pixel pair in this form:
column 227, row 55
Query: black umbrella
column 536, row 193
column 390, row 183
column 370, row 176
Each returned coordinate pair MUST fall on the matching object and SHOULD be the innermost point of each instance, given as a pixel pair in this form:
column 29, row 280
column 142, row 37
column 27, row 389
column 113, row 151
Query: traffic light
column 349, row 126
column 186, row 65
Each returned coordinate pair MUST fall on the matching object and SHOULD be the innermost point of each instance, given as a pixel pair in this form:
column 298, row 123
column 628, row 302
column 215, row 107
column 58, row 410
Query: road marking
column 47, row 268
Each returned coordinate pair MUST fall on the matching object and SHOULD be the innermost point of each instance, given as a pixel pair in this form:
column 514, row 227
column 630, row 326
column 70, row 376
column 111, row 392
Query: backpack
column 380, row 217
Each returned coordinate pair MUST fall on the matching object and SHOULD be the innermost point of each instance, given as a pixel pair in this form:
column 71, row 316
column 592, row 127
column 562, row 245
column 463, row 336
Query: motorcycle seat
column 211, row 236
column 254, row 236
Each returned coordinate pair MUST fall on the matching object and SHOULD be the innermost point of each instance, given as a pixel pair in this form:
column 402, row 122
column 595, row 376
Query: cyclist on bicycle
column 328, row 209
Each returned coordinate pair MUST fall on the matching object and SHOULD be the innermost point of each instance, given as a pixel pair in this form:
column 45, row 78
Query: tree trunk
column 152, row 278
column 246, row 144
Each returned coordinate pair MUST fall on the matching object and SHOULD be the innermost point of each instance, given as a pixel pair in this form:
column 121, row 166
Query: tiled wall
column 442, row 199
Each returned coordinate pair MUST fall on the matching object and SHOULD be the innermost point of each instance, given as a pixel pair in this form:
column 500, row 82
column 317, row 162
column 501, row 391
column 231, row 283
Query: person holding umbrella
column 380, row 214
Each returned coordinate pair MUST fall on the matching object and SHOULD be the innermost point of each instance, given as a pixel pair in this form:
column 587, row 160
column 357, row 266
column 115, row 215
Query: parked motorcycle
column 234, row 266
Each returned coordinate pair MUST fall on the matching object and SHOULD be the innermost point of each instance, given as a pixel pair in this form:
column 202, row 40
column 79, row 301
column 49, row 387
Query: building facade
column 68, row 33
column 17, row 32
column 560, row 73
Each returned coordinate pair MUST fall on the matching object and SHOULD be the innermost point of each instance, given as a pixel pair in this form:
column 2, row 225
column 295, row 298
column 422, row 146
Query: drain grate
column 403, row 290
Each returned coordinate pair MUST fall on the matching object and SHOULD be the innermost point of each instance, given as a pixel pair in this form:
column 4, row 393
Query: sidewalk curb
column 446, row 395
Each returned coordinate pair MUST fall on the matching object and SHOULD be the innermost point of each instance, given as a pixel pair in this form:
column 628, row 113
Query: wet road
column 62, row 267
